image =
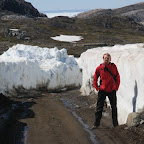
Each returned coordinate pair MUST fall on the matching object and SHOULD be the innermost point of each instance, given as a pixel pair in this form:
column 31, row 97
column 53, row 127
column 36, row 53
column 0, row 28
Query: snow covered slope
column 34, row 67
column 130, row 62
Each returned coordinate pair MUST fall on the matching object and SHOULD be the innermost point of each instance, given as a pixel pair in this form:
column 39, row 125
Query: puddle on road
column 25, row 131
column 67, row 104
column 86, row 127
column 25, row 134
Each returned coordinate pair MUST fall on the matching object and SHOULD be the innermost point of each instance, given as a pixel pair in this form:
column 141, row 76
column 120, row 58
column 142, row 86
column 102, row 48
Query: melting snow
column 67, row 38
column 33, row 67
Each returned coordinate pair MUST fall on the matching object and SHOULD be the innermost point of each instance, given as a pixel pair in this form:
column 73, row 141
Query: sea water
column 69, row 13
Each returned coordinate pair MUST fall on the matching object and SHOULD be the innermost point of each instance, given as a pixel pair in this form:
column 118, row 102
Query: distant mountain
column 135, row 11
column 20, row 7
column 94, row 13
column 129, row 8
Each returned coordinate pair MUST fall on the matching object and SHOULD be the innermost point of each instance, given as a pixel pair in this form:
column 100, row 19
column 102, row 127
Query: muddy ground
column 60, row 118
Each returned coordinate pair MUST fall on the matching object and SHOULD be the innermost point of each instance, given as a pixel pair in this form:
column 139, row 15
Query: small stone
column 141, row 122
column 93, row 106
column 64, row 89
column 27, row 38
column 126, row 128
column 30, row 99
column 105, row 114
column 77, row 106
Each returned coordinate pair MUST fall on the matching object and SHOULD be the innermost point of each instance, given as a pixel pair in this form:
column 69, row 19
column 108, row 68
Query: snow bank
column 130, row 62
column 67, row 38
column 34, row 67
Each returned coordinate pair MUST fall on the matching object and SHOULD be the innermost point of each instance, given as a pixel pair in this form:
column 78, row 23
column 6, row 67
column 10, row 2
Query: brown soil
column 65, row 118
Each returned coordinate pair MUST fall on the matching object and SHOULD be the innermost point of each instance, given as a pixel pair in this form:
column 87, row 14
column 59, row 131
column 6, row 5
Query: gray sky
column 45, row 5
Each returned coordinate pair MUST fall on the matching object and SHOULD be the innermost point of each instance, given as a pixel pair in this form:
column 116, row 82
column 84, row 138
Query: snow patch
column 67, row 38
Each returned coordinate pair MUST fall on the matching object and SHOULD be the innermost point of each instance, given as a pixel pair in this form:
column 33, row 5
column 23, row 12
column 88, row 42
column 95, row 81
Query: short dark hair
column 107, row 55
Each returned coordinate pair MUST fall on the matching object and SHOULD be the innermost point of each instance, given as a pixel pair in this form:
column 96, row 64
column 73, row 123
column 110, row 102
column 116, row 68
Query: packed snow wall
column 32, row 67
column 130, row 63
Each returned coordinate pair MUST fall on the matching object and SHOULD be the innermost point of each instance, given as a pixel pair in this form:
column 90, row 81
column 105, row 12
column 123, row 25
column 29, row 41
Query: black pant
column 100, row 103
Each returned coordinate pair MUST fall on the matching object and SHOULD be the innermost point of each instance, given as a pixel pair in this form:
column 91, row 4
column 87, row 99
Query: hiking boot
column 93, row 127
column 115, row 125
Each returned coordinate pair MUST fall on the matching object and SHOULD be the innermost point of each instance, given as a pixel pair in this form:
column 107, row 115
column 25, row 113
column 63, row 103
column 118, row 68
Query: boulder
column 132, row 119
column 15, row 33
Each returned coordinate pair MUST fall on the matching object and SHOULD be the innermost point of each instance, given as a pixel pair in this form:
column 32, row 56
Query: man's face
column 107, row 59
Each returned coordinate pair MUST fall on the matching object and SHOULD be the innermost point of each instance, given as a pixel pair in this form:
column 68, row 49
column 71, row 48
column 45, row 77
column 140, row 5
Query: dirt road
column 65, row 118
column 54, row 124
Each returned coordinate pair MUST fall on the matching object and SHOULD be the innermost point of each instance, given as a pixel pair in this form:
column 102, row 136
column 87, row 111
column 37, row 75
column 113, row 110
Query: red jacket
column 108, row 84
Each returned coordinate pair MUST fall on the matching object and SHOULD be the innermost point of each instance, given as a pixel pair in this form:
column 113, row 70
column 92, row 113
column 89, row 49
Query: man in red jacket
column 109, row 84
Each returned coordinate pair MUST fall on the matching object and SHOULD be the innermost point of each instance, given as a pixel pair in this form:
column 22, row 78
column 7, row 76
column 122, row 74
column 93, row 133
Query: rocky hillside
column 138, row 6
column 20, row 7
column 95, row 13
column 135, row 11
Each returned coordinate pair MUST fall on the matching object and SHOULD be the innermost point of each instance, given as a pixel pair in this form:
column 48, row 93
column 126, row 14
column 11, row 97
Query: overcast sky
column 45, row 5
